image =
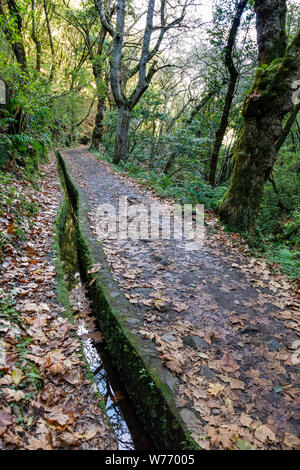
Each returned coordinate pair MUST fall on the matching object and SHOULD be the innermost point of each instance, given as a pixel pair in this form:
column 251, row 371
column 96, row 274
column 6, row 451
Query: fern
column 6, row 121
column 4, row 154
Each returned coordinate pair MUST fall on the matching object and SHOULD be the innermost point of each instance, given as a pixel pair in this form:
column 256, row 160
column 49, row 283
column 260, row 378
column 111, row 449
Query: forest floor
column 222, row 321
column 47, row 397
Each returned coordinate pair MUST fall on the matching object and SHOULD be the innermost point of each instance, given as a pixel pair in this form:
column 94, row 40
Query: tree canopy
column 200, row 99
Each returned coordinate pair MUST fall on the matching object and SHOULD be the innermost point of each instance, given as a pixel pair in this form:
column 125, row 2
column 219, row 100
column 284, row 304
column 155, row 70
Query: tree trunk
column 20, row 54
column 222, row 129
column 230, row 91
column 101, row 96
column 264, row 110
column 122, row 135
column 270, row 26
column 110, row 98
column 35, row 39
column 52, row 70
column 98, row 129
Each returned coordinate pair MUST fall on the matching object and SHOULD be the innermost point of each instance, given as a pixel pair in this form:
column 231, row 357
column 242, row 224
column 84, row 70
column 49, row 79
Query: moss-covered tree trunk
column 269, row 101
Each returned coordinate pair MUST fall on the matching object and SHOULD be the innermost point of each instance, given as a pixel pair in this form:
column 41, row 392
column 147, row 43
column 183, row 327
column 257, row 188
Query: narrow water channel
column 126, row 425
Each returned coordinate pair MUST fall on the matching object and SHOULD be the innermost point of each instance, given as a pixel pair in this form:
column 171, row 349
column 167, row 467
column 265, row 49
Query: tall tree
column 84, row 21
column 53, row 65
column 264, row 110
column 119, row 83
column 35, row 38
column 13, row 31
column 233, row 77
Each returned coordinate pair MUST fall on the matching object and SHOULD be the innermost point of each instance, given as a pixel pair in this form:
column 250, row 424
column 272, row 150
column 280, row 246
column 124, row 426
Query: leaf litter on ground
column 47, row 399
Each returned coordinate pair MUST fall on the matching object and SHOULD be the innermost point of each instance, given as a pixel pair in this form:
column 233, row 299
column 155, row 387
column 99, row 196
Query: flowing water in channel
column 125, row 423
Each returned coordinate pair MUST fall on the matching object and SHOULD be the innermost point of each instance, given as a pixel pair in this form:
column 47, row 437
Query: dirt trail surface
column 221, row 321
column 47, row 400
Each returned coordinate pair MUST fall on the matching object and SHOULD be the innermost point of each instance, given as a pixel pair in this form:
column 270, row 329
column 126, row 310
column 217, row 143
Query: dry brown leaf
column 12, row 395
column 91, row 433
column 245, row 420
column 172, row 364
column 180, row 306
column 6, row 380
column 291, row 440
column 11, row 438
column 96, row 335
column 69, row 439
column 55, row 361
column 5, row 421
column 38, row 335
column 73, row 377
column 95, row 269
column 52, row 395
column 215, row 389
column 44, row 442
column 220, row 436
column 147, row 334
column 264, row 434
column 236, row 384
column 60, row 419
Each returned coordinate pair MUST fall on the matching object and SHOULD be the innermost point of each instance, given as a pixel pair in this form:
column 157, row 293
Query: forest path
column 222, row 322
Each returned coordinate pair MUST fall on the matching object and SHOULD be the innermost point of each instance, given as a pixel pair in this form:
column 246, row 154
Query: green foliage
column 24, row 120
column 193, row 190
column 288, row 259
column 279, row 214
column 4, row 154
column 291, row 230
column 278, row 230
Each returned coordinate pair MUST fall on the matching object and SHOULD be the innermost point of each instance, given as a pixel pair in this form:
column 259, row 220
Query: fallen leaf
column 68, row 439
column 215, row 389
column 60, row 419
column 17, row 376
column 95, row 269
column 245, row 420
column 11, row 438
column 180, row 306
column 5, row 421
column 263, row 433
column 44, row 442
column 291, row 440
column 6, row 380
column 12, row 395
column 91, row 434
